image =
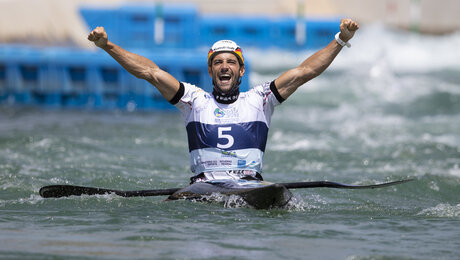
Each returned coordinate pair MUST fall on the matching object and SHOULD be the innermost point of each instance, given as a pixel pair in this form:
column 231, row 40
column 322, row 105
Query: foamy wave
column 443, row 211
column 308, row 165
column 32, row 200
column 374, row 45
column 455, row 171
column 234, row 201
column 402, row 51
column 296, row 203
column 45, row 143
column 281, row 141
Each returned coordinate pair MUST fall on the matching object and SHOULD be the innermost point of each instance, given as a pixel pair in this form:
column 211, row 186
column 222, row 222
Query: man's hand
column 348, row 28
column 99, row 37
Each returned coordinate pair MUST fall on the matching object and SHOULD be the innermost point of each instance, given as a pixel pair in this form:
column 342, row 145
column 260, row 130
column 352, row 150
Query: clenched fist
column 348, row 28
column 99, row 37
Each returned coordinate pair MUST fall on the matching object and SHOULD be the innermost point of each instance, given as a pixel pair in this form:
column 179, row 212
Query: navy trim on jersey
column 244, row 135
column 275, row 92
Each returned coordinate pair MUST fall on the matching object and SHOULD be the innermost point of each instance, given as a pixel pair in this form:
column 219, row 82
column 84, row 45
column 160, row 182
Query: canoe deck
column 259, row 194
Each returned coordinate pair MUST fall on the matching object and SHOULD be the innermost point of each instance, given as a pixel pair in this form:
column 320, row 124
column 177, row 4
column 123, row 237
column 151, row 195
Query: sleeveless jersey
column 227, row 136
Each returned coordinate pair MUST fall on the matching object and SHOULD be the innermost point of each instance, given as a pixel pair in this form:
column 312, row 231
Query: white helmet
column 225, row 46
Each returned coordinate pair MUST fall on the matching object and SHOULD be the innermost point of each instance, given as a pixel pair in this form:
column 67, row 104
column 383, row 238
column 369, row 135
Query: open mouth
column 225, row 78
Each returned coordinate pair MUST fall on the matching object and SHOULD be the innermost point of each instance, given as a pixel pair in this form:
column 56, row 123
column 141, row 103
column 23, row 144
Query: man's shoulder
column 195, row 92
column 260, row 90
column 191, row 86
column 263, row 94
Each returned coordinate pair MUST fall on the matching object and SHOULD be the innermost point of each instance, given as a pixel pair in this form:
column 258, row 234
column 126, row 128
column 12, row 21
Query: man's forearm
column 320, row 61
column 312, row 67
column 137, row 65
column 144, row 68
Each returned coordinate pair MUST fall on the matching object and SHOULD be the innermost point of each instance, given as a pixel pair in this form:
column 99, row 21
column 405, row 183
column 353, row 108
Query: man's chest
column 216, row 114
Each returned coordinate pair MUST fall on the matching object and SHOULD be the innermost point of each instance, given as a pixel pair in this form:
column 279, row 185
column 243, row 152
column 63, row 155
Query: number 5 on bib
column 228, row 137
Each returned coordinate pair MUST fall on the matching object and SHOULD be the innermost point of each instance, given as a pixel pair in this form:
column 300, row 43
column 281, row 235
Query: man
column 227, row 130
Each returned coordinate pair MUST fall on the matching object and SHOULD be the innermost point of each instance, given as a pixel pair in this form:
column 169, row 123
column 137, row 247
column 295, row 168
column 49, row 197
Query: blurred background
column 46, row 60
column 59, row 23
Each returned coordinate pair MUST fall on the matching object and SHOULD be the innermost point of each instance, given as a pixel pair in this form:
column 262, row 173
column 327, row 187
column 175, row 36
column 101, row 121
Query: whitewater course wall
column 177, row 38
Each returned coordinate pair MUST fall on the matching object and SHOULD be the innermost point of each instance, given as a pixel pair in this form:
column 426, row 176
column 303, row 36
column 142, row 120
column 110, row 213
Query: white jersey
column 227, row 136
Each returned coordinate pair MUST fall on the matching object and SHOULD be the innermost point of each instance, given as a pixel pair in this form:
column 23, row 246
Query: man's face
column 225, row 71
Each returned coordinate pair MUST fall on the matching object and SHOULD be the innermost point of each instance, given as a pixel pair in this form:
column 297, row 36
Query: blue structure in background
column 175, row 37
column 132, row 26
column 57, row 77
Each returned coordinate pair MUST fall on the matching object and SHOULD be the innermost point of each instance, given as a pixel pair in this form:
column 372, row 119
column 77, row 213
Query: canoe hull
column 260, row 195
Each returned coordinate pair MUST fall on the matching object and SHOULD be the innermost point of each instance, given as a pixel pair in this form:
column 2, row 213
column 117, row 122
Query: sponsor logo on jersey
column 219, row 113
column 209, row 163
column 225, row 162
column 241, row 163
column 253, row 164
column 226, row 116
column 229, row 154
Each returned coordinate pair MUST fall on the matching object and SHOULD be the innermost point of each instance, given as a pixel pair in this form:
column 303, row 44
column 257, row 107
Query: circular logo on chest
column 219, row 113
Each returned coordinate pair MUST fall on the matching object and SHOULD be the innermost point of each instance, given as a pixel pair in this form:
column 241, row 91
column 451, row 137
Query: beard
column 234, row 86
column 229, row 96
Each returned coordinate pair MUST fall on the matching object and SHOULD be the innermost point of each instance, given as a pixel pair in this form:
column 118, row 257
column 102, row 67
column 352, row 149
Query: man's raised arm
column 313, row 66
column 137, row 65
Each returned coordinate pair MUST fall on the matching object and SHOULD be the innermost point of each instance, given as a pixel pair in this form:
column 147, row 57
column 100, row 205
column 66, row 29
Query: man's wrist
column 341, row 42
column 107, row 46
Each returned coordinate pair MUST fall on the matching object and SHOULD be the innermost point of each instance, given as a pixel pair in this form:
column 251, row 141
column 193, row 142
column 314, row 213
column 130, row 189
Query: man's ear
column 242, row 70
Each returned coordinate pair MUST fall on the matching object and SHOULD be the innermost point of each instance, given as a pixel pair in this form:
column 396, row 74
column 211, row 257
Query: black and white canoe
column 258, row 194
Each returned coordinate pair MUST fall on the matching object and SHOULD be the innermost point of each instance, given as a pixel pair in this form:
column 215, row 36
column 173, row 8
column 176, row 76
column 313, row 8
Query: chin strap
column 226, row 98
